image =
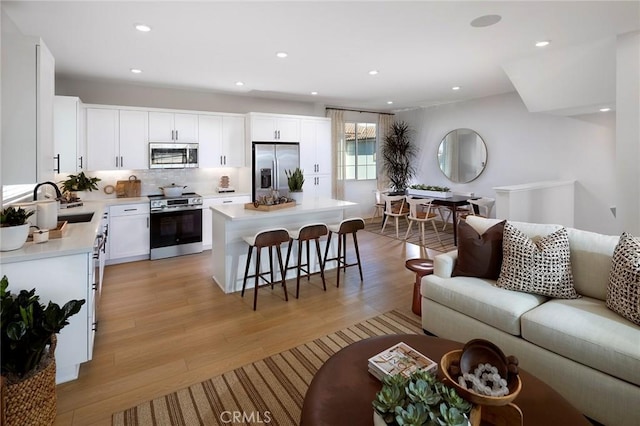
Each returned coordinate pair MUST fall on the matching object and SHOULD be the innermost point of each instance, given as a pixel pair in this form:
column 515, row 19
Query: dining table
column 453, row 203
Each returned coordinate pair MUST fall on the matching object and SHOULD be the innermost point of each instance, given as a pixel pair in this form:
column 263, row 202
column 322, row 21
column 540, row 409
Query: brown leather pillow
column 479, row 255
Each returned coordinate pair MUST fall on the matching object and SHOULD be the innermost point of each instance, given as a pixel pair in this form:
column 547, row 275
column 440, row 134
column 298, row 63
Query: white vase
column 378, row 420
column 13, row 237
column 297, row 196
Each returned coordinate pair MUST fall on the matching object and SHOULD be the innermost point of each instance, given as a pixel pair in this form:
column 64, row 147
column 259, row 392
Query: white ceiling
column 420, row 48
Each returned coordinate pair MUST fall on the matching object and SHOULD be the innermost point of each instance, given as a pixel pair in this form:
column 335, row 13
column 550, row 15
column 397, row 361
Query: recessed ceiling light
column 239, row 83
column 314, row 93
column 606, row 109
column 282, row 54
column 542, row 43
column 485, row 21
column 143, row 28
column 455, row 88
column 373, row 72
column 135, row 70
column 389, row 102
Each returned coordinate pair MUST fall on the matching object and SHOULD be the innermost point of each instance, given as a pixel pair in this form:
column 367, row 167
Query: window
column 360, row 151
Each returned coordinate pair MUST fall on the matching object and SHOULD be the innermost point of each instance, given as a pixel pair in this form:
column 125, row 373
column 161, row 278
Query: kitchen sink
column 76, row 218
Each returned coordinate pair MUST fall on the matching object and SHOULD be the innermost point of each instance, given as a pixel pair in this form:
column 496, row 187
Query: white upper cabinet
column 274, row 128
column 134, row 148
column 103, row 152
column 117, row 139
column 28, row 88
column 67, row 134
column 221, row 141
column 173, row 127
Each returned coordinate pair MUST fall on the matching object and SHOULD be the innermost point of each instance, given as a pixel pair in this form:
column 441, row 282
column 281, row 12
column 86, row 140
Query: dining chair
column 484, row 205
column 420, row 212
column 378, row 207
column 394, row 206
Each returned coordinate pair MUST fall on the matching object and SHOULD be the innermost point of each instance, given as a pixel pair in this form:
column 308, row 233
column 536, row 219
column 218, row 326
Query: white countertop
column 237, row 212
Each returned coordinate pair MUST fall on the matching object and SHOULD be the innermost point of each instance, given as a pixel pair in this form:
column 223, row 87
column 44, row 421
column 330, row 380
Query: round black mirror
column 462, row 155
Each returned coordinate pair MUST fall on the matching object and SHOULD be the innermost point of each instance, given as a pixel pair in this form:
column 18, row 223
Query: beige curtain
column 384, row 124
column 337, row 162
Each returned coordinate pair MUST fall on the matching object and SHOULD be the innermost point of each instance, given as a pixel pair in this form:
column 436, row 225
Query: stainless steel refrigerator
column 270, row 160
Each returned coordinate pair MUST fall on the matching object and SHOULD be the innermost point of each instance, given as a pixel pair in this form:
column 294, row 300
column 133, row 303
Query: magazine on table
column 400, row 359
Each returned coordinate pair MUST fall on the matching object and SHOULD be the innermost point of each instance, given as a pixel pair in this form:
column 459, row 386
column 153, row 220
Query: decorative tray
column 268, row 208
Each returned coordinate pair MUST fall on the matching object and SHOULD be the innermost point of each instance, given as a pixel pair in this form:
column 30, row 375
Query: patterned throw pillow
column 479, row 255
column 623, row 291
column 542, row 266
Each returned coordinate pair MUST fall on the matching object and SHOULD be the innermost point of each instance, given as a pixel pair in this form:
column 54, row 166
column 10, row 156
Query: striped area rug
column 430, row 238
column 267, row 391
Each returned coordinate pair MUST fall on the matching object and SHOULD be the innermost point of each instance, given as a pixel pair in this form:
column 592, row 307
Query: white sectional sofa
column 582, row 349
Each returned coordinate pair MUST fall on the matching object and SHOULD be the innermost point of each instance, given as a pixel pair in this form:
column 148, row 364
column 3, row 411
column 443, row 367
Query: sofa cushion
column 479, row 255
column 623, row 293
column 585, row 331
column 542, row 266
column 480, row 299
column 591, row 261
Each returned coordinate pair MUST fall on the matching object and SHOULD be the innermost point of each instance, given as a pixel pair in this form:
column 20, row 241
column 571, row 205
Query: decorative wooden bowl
column 514, row 384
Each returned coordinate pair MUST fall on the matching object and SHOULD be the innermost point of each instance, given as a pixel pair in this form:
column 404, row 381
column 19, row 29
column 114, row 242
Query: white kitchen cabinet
column 221, row 141
column 116, row 139
column 274, row 128
column 207, row 215
column 61, row 279
column 128, row 232
column 133, row 145
column 103, row 152
column 315, row 156
column 173, row 127
column 68, row 143
column 28, row 88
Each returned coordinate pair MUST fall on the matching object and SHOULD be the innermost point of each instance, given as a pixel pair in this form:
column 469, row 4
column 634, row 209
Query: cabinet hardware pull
column 121, row 162
column 116, row 161
column 173, row 138
column 81, row 166
column 177, row 135
column 225, row 160
column 130, row 210
column 57, row 158
column 227, row 201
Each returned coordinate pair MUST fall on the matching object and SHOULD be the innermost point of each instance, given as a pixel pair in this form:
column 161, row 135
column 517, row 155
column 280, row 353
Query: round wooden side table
column 421, row 267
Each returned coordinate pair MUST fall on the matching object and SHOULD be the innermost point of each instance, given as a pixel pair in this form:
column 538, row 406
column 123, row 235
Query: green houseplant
column 28, row 362
column 420, row 400
column 79, row 182
column 398, row 153
column 295, row 180
column 14, row 228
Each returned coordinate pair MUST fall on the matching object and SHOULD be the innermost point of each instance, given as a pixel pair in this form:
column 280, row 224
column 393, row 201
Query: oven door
column 176, row 232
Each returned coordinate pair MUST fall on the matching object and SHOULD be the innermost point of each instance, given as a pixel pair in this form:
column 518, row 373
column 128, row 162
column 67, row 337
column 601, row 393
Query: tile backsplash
column 202, row 181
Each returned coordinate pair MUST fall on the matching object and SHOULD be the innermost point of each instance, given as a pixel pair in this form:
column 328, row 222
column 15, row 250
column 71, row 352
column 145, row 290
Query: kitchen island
column 230, row 223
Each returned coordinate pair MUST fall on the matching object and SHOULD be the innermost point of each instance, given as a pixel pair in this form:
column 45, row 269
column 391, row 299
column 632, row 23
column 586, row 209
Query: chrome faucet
column 35, row 190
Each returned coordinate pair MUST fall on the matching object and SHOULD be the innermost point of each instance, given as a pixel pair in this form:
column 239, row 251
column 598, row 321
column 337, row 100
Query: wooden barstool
column 347, row 226
column 421, row 267
column 269, row 238
column 305, row 234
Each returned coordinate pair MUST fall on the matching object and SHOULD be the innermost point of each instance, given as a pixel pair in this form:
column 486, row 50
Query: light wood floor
column 165, row 324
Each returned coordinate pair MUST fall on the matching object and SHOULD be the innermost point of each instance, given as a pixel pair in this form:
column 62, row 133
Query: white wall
column 126, row 94
column 527, row 147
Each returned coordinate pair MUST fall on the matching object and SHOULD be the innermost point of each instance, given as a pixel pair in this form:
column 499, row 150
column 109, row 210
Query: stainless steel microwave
column 173, row 155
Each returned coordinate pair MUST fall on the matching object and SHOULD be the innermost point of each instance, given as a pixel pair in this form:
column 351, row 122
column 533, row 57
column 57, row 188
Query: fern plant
column 398, row 153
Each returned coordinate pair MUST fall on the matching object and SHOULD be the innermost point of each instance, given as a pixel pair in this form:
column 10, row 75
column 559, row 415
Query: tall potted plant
column 295, row 180
column 28, row 363
column 14, row 228
column 398, row 153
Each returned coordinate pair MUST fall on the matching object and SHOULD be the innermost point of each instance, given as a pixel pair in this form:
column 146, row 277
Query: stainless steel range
column 176, row 225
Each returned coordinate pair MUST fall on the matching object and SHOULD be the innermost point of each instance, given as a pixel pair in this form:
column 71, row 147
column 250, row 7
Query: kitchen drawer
column 229, row 200
column 129, row 209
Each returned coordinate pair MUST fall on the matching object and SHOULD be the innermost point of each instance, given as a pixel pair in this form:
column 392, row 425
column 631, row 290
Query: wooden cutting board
column 128, row 188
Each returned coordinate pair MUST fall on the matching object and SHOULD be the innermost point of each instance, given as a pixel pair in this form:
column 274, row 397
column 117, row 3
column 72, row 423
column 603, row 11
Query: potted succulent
column 419, row 400
column 78, row 183
column 295, row 180
column 28, row 363
column 14, row 228
column 398, row 153
column 429, row 190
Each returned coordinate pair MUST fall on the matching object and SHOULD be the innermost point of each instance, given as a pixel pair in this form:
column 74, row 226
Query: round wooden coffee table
column 342, row 390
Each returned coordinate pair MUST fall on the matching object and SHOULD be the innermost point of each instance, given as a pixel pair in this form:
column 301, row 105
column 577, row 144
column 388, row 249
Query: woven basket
column 32, row 401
